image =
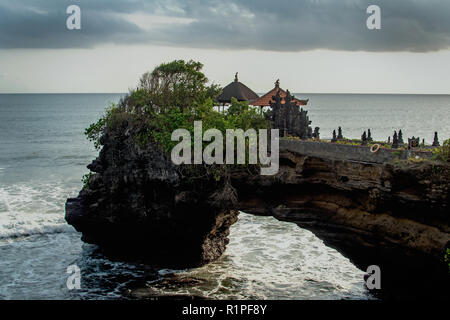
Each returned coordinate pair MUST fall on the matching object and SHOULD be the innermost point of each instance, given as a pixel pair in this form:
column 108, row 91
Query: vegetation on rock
column 173, row 96
column 443, row 153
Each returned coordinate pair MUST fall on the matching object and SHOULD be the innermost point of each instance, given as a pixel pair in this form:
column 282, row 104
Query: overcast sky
column 311, row 45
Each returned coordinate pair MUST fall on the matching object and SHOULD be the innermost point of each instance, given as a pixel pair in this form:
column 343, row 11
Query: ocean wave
column 26, row 157
column 271, row 259
column 74, row 157
column 33, row 208
column 28, row 227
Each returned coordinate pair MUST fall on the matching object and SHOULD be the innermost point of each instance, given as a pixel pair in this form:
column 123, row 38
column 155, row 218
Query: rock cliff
column 138, row 204
column 394, row 215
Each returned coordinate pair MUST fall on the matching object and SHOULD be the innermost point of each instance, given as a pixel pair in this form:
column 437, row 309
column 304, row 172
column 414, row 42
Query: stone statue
column 364, row 139
column 369, row 135
column 275, row 115
column 400, row 137
column 277, row 83
column 436, row 140
column 316, row 134
column 340, row 136
column 413, row 142
column 395, row 141
column 334, row 136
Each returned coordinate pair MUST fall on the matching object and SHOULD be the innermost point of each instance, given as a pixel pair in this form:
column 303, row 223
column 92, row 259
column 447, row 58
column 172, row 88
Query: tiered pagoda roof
column 266, row 99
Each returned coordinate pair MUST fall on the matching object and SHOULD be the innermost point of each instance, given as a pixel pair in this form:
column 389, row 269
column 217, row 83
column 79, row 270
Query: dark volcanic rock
column 137, row 205
column 395, row 216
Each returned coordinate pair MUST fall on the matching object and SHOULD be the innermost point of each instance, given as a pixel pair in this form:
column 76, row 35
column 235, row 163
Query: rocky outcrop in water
column 138, row 205
column 396, row 216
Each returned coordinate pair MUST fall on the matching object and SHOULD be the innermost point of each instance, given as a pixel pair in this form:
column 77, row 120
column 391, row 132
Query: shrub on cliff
column 173, row 96
column 177, row 84
column 170, row 92
column 443, row 153
column 95, row 130
column 163, row 124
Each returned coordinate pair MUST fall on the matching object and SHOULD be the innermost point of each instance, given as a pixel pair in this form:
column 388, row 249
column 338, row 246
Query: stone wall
column 348, row 152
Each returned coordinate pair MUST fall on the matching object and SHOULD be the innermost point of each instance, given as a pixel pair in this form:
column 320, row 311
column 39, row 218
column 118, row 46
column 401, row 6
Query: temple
column 238, row 91
column 285, row 112
column 266, row 99
column 289, row 118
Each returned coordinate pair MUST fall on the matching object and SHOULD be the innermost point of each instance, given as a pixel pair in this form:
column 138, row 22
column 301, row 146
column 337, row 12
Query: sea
column 43, row 157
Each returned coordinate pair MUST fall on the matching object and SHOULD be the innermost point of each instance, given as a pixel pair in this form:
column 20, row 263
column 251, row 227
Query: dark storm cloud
column 286, row 25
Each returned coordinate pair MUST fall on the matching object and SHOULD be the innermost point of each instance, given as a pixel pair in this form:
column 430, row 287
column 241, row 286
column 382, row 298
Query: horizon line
column 295, row 93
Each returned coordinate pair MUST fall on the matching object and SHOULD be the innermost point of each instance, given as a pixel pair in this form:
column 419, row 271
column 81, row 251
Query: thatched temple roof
column 237, row 90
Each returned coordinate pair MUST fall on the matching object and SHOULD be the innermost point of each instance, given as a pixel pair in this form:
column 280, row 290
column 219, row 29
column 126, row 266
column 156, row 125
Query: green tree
column 173, row 96
column 178, row 84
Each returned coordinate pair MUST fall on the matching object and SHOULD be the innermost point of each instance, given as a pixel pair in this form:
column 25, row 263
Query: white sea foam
column 266, row 258
column 270, row 259
column 20, row 226
column 32, row 209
